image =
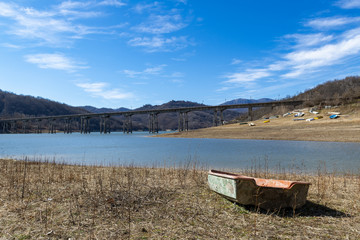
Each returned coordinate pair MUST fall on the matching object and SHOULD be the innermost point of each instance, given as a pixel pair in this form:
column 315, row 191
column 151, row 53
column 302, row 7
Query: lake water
column 140, row 149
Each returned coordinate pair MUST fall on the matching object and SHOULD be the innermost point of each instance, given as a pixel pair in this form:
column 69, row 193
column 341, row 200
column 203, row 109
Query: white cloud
column 54, row 61
column 145, row 73
column 54, row 27
column 327, row 55
column 235, row 61
column 112, row 3
column 92, row 87
column 100, row 89
column 159, row 24
column 141, row 7
column 331, row 22
column 10, row 45
column 156, row 44
column 308, row 40
column 249, row 75
column 309, row 53
column 348, row 4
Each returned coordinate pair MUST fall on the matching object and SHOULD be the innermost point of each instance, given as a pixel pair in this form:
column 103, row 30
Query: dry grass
column 58, row 201
column 343, row 129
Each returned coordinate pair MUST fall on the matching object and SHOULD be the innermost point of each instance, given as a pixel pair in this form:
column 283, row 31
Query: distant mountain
column 103, row 110
column 245, row 101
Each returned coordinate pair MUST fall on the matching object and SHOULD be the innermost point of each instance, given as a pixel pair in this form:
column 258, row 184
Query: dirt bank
column 346, row 128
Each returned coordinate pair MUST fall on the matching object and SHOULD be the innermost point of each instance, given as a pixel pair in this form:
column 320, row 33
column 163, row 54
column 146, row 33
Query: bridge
column 10, row 125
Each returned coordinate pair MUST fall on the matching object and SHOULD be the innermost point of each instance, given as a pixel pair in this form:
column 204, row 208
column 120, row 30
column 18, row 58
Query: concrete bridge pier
column 215, row 119
column 85, row 125
column 104, row 124
column 127, row 125
column 183, row 121
column 13, row 127
column 67, row 126
column 153, row 123
column 37, row 126
column 24, row 126
column 51, row 126
column 222, row 117
column 250, row 114
column 5, row 127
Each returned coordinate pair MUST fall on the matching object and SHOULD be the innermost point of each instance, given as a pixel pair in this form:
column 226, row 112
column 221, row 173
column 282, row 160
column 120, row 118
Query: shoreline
column 346, row 128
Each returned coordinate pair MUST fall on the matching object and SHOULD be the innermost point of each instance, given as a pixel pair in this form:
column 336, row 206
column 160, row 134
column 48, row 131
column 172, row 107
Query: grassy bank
column 58, row 201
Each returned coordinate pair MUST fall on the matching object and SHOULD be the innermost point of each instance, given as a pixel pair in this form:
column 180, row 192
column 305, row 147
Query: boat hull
column 263, row 193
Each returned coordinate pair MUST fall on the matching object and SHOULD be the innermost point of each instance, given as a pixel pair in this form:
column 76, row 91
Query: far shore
column 346, row 128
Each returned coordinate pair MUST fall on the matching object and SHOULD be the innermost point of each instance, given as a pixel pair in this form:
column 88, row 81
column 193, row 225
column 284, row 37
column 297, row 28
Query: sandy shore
column 346, row 128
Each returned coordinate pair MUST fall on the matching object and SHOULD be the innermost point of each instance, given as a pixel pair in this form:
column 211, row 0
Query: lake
column 141, row 150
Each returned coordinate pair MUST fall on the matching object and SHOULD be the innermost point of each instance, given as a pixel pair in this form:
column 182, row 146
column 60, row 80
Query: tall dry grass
column 46, row 200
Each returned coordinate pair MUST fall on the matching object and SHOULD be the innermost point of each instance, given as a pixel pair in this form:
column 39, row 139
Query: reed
column 48, row 200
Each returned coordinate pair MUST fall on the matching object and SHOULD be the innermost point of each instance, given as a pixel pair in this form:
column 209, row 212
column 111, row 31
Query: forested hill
column 348, row 87
column 13, row 105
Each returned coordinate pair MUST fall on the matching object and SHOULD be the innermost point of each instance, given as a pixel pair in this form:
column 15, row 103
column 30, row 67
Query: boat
column 266, row 121
column 299, row 114
column 267, row 194
column 334, row 116
column 310, row 119
column 299, row 119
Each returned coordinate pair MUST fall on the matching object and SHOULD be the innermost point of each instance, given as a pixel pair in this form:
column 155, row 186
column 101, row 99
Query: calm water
column 139, row 149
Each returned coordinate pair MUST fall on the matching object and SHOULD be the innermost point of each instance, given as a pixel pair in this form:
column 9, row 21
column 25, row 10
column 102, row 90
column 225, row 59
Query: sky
column 123, row 53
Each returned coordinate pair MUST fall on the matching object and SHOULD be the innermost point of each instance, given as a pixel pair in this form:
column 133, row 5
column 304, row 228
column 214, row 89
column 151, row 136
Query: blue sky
column 123, row 53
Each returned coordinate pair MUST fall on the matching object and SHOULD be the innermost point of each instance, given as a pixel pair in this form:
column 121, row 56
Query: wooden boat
column 268, row 194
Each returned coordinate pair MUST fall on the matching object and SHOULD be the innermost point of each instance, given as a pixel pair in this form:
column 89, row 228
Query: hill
column 13, row 105
column 348, row 87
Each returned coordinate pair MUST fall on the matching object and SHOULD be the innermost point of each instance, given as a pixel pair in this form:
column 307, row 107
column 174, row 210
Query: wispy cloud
column 249, row 75
column 235, row 61
column 308, row 52
column 56, row 26
column 156, row 32
column 156, row 70
column 348, row 4
column 101, row 89
column 162, row 44
column 54, row 61
column 10, row 45
column 331, row 22
column 309, row 40
column 159, row 24
column 112, row 3
column 142, row 7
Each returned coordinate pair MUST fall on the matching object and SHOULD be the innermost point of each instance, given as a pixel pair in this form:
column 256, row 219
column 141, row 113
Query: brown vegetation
column 346, row 128
column 57, row 201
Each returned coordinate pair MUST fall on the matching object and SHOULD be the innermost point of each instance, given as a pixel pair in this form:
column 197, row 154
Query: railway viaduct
column 11, row 125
